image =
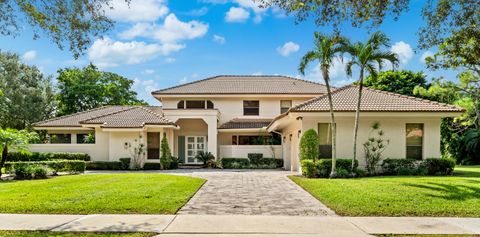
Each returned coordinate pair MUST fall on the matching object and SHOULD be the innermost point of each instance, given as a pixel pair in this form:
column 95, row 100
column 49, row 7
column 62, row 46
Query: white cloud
column 219, row 39
column 171, row 31
column 337, row 73
column 425, row 55
column 148, row 71
column 404, row 51
column 137, row 10
column 237, row 14
column 183, row 80
column 198, row 12
column 170, row 60
column 108, row 53
column 29, row 55
column 288, row 48
column 146, row 86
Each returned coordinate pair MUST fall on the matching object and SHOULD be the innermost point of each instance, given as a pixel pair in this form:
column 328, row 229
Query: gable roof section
column 345, row 100
column 245, row 123
column 246, row 85
column 110, row 117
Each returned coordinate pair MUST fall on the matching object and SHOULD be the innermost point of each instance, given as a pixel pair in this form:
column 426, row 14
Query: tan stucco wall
column 394, row 128
column 117, row 141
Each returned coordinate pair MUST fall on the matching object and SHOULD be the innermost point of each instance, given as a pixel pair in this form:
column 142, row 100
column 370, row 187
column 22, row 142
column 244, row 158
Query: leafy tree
column 401, row 82
column 72, row 22
column 27, row 94
column 166, row 156
column 369, row 57
column 326, row 49
column 11, row 139
column 330, row 12
column 88, row 88
column 309, row 145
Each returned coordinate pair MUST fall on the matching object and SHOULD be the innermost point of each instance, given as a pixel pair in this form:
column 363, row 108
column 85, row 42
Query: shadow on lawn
column 450, row 191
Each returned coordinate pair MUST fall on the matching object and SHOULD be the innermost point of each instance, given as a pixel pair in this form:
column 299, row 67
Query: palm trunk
column 357, row 118
column 4, row 158
column 333, row 126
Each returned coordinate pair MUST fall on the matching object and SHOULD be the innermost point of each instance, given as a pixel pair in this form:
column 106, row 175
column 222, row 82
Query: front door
column 193, row 146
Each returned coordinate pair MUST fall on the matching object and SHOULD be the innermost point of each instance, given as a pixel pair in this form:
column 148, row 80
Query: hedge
column 105, row 165
column 44, row 156
column 323, row 167
column 429, row 166
column 70, row 166
column 151, row 166
column 244, row 163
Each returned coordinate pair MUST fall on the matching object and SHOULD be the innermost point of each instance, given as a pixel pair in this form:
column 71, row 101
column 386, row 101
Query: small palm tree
column 327, row 48
column 370, row 57
column 205, row 157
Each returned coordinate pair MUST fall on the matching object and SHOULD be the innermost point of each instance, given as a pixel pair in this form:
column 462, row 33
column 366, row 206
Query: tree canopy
column 402, row 82
column 88, row 88
column 27, row 94
column 74, row 22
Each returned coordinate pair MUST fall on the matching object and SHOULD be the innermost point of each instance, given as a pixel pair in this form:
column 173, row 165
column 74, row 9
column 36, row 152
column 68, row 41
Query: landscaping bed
column 70, row 234
column 453, row 196
column 103, row 193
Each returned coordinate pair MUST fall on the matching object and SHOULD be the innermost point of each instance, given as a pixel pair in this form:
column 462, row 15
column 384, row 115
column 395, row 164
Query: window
column 325, row 140
column 209, row 104
column 285, row 105
column 251, row 107
column 234, row 140
column 85, row 138
column 274, row 139
column 414, row 134
column 181, row 104
column 60, row 138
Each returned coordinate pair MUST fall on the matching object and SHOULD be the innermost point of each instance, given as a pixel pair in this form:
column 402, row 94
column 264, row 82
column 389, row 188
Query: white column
column 171, row 141
column 212, row 135
column 73, row 138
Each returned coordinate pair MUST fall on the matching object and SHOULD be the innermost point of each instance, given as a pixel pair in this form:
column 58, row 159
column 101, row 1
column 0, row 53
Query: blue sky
column 161, row 43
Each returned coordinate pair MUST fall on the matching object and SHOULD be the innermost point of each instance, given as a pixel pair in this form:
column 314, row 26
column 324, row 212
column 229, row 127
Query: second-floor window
column 195, row 104
column 251, row 107
column 285, row 105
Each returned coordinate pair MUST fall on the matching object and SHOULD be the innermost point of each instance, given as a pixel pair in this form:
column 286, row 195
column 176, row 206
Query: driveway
column 251, row 193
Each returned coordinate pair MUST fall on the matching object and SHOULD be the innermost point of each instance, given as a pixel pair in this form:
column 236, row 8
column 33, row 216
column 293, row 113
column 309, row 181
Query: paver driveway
column 252, row 193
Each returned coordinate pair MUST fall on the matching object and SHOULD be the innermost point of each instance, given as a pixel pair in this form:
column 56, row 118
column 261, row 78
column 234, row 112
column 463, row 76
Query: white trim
column 160, row 96
column 64, row 128
column 380, row 114
column 226, row 130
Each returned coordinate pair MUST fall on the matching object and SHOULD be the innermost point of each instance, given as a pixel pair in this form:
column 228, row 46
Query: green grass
column 70, row 234
column 457, row 195
column 101, row 193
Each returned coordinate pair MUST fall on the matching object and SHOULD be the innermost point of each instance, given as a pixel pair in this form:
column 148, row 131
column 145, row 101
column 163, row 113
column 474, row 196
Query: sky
column 160, row 43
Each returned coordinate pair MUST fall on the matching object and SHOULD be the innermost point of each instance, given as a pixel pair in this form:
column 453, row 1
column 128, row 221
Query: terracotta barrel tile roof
column 345, row 100
column 111, row 117
column 246, row 85
column 245, row 123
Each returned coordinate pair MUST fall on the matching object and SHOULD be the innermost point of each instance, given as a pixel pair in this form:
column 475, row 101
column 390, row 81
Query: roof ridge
column 108, row 114
column 319, row 97
column 74, row 114
column 184, row 84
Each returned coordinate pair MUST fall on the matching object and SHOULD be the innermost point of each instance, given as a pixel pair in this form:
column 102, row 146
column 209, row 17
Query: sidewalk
column 217, row 225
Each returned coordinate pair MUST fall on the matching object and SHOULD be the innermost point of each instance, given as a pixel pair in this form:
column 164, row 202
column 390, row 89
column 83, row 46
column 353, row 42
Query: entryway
column 193, row 146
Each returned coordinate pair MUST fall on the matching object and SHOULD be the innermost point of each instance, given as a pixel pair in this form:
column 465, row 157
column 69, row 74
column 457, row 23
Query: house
column 232, row 116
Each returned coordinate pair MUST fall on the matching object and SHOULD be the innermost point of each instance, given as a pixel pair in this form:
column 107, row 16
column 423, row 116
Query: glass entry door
column 194, row 145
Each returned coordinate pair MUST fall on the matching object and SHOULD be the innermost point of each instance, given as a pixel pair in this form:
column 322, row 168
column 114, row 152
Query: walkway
column 252, row 193
column 242, row 225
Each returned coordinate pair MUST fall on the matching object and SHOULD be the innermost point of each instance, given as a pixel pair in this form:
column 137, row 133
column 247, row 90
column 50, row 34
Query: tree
column 73, row 22
column 27, row 94
column 166, row 156
column 88, row 88
column 326, row 49
column 335, row 13
column 309, row 146
column 369, row 57
column 401, row 82
column 11, row 139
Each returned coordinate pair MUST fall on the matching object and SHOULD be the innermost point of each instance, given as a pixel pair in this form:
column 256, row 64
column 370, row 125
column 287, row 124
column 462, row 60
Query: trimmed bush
column 255, row 158
column 151, row 166
column 174, row 164
column 104, row 165
column 324, row 166
column 40, row 171
column 125, row 163
column 244, row 163
column 44, row 156
column 23, row 171
column 439, row 166
column 309, row 145
column 430, row 166
column 308, row 169
column 70, row 166
column 399, row 166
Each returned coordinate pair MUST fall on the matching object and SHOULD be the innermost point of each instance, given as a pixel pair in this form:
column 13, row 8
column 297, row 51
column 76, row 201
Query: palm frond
column 306, row 59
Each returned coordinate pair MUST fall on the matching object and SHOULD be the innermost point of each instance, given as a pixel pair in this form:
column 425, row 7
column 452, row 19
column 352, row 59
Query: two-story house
column 232, row 116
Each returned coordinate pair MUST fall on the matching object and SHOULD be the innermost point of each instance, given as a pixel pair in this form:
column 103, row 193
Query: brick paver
column 252, row 193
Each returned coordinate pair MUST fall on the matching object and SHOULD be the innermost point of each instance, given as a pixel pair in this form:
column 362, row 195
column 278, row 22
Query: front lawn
column 70, row 234
column 102, row 193
column 457, row 195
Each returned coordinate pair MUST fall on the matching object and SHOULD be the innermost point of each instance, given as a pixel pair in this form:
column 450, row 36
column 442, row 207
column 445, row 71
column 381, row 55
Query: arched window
column 209, row 104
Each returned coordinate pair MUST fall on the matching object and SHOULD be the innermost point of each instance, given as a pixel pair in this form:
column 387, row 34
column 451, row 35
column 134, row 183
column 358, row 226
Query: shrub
column 44, row 156
column 40, row 171
column 23, row 171
column 204, row 157
column 439, row 166
column 125, row 163
column 70, row 166
column 255, row 158
column 342, row 173
column 151, row 166
column 234, row 163
column 244, row 163
column 308, row 169
column 324, row 166
column 374, row 147
column 104, row 165
column 166, row 157
column 213, row 164
column 309, row 145
column 399, row 166
column 174, row 164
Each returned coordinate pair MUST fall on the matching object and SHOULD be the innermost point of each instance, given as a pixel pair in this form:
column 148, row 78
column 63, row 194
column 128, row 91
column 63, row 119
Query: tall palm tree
column 327, row 48
column 370, row 57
